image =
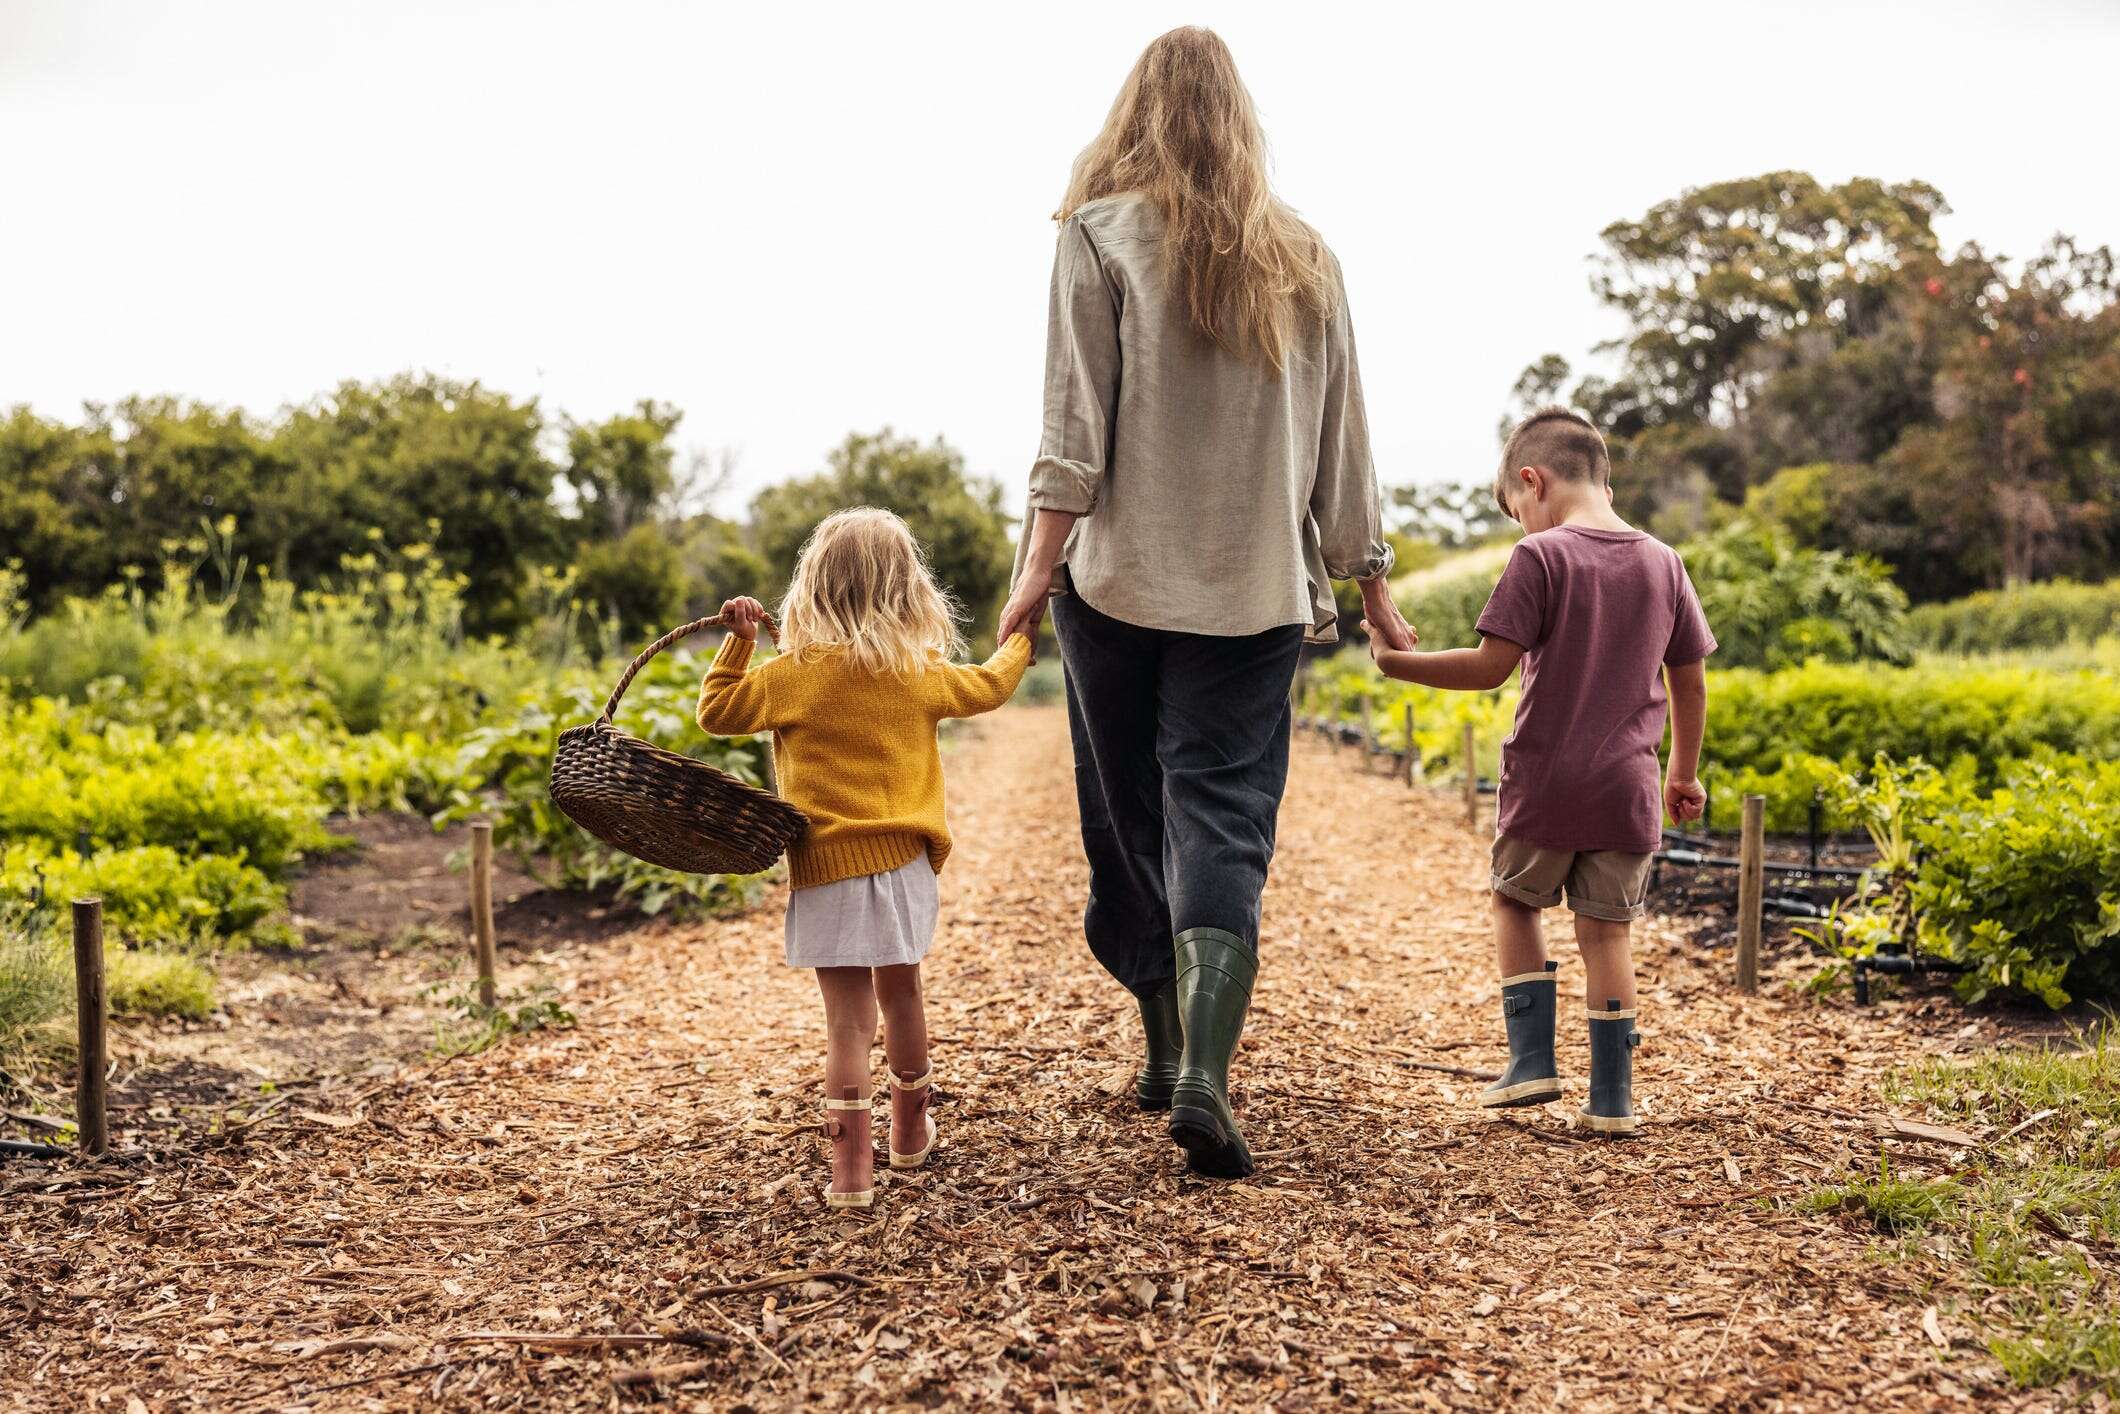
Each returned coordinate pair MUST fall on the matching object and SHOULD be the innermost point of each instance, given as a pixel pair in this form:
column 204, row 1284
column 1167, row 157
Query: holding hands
column 1382, row 622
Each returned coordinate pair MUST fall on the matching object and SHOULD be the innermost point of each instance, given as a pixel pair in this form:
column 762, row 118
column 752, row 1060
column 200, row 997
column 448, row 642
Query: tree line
column 493, row 486
column 1800, row 356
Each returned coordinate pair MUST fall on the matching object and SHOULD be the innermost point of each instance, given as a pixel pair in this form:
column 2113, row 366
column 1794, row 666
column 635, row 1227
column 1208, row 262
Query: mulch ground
column 628, row 1211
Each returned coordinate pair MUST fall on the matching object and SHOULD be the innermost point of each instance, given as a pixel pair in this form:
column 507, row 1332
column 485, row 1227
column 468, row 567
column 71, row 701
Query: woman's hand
column 742, row 616
column 1381, row 619
column 1025, row 609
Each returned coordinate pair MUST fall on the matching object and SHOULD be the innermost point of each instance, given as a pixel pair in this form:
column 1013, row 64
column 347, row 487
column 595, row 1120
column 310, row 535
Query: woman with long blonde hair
column 862, row 678
column 1203, row 477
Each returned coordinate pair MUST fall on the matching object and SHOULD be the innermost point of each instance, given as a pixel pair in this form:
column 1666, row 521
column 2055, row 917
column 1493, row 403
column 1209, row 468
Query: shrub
column 2021, row 884
column 152, row 894
column 1773, row 605
column 2028, row 616
column 1938, row 713
column 159, row 984
column 1446, row 614
column 638, row 580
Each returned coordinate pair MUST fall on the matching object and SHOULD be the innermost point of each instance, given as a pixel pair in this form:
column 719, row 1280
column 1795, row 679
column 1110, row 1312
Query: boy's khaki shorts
column 1600, row 883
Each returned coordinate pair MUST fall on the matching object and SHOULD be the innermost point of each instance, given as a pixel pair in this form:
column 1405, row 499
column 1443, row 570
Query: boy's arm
column 1684, row 796
column 1458, row 669
column 965, row 691
column 733, row 702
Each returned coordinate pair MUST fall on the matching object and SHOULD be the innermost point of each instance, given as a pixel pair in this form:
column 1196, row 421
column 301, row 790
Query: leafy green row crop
column 2020, row 883
column 1790, row 735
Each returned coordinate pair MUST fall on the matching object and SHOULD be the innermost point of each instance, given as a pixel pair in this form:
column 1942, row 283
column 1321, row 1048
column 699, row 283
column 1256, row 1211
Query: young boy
column 1600, row 615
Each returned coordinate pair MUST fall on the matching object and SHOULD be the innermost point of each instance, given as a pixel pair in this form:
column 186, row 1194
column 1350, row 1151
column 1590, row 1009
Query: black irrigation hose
column 1693, row 859
column 22, row 1149
column 1898, row 965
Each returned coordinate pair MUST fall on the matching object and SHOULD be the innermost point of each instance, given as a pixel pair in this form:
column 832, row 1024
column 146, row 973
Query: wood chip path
column 627, row 1212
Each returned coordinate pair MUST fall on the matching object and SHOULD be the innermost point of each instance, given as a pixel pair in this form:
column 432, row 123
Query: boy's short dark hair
column 1557, row 440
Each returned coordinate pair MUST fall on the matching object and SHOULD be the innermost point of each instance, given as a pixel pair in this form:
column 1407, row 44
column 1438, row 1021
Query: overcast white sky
column 793, row 221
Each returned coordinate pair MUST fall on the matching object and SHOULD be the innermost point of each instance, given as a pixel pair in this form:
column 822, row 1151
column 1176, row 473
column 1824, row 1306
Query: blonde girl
column 862, row 678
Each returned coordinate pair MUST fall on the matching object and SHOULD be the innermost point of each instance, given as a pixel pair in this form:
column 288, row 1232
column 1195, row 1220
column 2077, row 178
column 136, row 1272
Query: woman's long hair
column 1184, row 134
column 863, row 588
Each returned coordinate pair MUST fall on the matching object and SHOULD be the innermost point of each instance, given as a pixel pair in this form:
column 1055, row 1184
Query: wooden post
column 91, row 1011
column 1751, row 881
column 482, row 907
column 1472, row 774
column 1413, row 751
column 1369, row 732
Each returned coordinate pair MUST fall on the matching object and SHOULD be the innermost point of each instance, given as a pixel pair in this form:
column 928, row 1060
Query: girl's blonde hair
column 863, row 588
column 1183, row 133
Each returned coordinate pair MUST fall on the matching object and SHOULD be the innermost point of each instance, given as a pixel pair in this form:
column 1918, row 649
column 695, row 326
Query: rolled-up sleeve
column 1081, row 378
column 1344, row 500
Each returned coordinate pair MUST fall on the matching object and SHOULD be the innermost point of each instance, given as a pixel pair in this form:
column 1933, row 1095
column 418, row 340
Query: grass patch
column 144, row 983
column 2026, row 1231
column 1894, row 1205
column 36, row 988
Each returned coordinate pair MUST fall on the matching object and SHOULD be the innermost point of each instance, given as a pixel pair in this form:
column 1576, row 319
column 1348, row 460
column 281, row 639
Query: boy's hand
column 742, row 616
column 1685, row 798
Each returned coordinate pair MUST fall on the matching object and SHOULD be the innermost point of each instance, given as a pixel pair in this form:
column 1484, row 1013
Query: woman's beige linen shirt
column 1216, row 496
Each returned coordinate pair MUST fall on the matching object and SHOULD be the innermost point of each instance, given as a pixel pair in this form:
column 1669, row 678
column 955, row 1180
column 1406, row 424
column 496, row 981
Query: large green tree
column 1956, row 415
column 1710, row 279
column 957, row 518
column 424, row 459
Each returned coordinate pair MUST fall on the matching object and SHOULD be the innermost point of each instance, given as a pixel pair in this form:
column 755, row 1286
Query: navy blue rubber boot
column 1612, row 1042
column 1533, row 1078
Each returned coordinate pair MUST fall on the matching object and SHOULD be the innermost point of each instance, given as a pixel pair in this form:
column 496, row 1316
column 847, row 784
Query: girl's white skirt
column 872, row 920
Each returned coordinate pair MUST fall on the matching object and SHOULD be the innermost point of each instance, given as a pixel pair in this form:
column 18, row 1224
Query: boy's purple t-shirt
column 1598, row 613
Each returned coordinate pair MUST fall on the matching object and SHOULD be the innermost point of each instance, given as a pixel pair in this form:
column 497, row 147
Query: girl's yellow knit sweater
column 855, row 751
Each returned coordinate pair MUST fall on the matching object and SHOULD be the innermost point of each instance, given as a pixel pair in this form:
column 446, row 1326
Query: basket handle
column 682, row 631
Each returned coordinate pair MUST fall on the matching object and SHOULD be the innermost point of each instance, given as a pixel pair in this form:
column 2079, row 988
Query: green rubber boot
column 1215, row 972
column 1612, row 1042
column 1165, row 1034
column 1527, row 1012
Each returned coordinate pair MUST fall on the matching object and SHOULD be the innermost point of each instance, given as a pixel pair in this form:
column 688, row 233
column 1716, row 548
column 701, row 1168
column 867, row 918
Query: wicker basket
column 662, row 807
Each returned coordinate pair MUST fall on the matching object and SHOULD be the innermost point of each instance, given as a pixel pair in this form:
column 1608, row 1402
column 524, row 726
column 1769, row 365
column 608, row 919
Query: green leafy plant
column 473, row 1026
column 2021, row 885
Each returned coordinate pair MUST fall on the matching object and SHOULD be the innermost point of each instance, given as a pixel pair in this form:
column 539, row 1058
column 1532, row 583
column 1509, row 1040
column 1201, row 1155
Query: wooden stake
column 1751, row 881
column 482, row 907
column 1472, row 775
column 1413, row 750
column 1369, row 732
column 92, row 1011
